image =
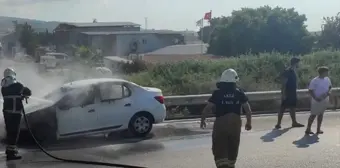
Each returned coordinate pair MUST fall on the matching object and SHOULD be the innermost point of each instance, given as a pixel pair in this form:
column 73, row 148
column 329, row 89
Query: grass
column 257, row 73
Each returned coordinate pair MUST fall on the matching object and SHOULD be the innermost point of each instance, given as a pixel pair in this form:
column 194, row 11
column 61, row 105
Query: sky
column 160, row 14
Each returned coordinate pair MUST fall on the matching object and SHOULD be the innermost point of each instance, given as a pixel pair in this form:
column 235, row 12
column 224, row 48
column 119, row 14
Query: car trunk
column 157, row 93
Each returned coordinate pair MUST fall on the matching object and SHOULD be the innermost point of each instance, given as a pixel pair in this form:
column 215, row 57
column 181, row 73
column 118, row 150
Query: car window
column 77, row 98
column 111, row 91
column 89, row 97
column 59, row 56
column 126, row 91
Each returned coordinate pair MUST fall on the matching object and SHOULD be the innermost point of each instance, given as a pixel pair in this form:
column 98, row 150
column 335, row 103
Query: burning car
column 95, row 106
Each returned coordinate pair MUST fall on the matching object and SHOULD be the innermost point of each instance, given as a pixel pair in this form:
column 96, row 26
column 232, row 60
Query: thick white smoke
column 42, row 83
column 27, row 73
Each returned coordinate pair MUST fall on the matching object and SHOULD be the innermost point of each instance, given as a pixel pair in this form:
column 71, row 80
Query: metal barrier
column 195, row 103
column 253, row 96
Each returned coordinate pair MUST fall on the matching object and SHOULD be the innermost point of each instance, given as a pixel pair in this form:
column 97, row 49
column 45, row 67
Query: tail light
column 160, row 99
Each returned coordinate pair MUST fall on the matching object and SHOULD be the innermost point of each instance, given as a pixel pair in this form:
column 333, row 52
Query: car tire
column 44, row 133
column 141, row 124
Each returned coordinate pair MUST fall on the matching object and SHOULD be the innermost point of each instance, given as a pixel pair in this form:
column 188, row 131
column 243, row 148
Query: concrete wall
column 75, row 36
column 106, row 43
column 10, row 44
column 116, row 44
column 146, row 42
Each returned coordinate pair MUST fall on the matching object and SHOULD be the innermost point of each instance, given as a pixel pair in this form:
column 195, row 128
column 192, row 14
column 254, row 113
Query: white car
column 95, row 106
column 52, row 60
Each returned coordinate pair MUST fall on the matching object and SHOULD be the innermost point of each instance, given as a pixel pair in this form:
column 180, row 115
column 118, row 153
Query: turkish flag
column 207, row 16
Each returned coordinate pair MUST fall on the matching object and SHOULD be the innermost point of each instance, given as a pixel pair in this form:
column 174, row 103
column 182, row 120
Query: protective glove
column 248, row 127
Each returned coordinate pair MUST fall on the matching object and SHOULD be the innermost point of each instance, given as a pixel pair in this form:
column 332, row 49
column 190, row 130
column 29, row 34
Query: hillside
column 6, row 24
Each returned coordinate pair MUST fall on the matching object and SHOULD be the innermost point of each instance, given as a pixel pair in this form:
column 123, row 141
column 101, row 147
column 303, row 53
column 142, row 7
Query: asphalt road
column 184, row 145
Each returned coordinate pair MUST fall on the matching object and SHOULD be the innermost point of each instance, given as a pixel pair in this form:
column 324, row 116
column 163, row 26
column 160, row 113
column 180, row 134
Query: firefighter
column 13, row 93
column 227, row 102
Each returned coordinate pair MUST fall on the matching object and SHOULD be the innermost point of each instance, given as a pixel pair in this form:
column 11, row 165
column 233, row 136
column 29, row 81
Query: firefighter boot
column 12, row 155
column 9, row 151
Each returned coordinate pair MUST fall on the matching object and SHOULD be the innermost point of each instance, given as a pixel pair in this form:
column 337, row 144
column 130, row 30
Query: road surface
column 170, row 148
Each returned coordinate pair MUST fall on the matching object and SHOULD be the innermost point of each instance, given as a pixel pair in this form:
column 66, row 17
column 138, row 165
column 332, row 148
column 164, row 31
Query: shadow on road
column 306, row 141
column 274, row 133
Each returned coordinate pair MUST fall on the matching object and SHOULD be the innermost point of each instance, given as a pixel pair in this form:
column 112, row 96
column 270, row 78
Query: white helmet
column 230, row 76
column 9, row 72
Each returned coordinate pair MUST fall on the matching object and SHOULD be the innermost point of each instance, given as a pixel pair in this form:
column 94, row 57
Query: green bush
column 134, row 67
column 257, row 72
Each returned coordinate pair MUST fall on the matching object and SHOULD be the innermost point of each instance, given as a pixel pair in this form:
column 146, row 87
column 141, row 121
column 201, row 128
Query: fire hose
column 71, row 160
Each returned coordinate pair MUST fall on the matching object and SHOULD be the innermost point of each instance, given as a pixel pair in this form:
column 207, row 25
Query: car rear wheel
column 141, row 124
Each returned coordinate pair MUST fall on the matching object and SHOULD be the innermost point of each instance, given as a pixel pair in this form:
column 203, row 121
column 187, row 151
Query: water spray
column 28, row 75
column 71, row 160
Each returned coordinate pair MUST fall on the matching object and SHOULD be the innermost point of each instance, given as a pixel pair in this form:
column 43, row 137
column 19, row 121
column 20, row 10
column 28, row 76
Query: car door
column 77, row 114
column 116, row 105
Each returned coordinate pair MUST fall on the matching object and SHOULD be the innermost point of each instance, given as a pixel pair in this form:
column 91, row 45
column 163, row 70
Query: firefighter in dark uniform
column 227, row 102
column 13, row 93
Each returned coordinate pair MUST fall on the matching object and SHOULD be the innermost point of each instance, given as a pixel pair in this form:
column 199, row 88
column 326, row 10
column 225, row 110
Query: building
column 10, row 43
column 124, row 43
column 115, row 38
column 71, row 33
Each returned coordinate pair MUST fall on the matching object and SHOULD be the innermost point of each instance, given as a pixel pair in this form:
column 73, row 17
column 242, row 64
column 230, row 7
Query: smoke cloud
column 44, row 83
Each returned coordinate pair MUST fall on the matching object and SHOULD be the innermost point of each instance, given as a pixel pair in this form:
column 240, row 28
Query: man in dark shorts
column 288, row 93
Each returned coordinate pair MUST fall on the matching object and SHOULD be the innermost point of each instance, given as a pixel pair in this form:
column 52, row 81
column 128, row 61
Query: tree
column 208, row 30
column 206, row 33
column 86, row 55
column 330, row 33
column 28, row 38
column 260, row 30
column 45, row 38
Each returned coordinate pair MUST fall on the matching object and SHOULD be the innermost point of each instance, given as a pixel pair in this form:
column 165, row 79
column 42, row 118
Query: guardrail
column 253, row 96
column 195, row 103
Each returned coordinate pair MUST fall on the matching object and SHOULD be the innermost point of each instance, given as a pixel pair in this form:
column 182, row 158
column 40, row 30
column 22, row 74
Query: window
column 59, row 56
column 126, row 91
column 77, row 98
column 111, row 91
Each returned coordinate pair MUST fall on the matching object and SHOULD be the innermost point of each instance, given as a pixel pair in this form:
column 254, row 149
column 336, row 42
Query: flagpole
column 211, row 29
column 202, row 38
